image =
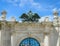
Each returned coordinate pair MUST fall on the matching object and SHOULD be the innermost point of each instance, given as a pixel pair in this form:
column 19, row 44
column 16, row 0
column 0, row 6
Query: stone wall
column 5, row 35
column 13, row 33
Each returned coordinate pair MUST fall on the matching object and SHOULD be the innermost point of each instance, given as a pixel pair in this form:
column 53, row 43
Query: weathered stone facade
column 12, row 33
column 15, row 32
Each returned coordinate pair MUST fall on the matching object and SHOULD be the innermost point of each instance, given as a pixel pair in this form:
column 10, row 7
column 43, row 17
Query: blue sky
column 17, row 7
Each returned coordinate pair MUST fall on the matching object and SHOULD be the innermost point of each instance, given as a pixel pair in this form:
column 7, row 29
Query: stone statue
column 30, row 17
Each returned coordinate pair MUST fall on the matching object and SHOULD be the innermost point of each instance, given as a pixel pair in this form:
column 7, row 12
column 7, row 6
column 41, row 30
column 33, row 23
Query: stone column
column 46, row 40
column 11, row 40
column 58, row 41
column 57, row 28
column 12, row 31
column 46, row 31
column 0, row 38
column 59, row 36
column 5, row 35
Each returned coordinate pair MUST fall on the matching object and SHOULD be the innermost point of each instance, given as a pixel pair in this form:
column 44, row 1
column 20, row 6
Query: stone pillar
column 5, row 35
column 59, row 36
column 58, row 42
column 12, row 30
column 55, row 22
column 3, row 15
column 0, row 38
column 59, row 31
column 11, row 40
column 46, row 31
column 46, row 40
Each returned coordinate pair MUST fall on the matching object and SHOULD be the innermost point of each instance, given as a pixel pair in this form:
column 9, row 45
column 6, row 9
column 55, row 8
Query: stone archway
column 23, row 37
column 29, row 42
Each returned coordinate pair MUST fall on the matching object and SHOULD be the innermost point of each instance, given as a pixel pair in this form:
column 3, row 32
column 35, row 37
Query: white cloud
column 49, row 16
column 31, row 4
column 36, row 5
column 56, row 9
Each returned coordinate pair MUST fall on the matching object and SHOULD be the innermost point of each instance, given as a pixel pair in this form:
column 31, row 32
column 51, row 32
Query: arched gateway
column 29, row 42
column 44, row 33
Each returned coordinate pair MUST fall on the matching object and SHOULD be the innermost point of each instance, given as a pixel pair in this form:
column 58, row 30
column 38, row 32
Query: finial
column 55, row 11
column 30, row 12
column 4, row 12
column 13, row 18
column 3, row 15
column 46, row 19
